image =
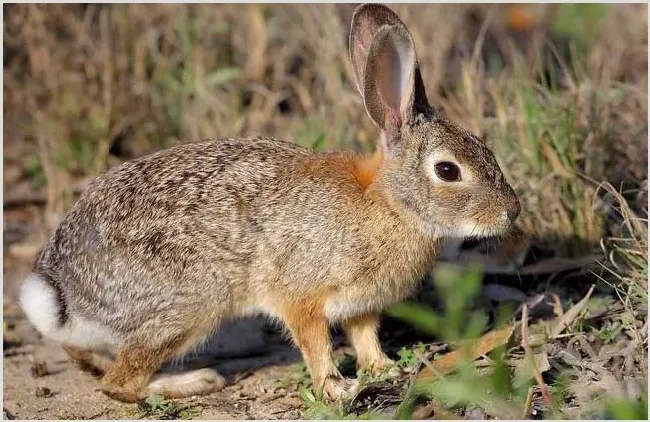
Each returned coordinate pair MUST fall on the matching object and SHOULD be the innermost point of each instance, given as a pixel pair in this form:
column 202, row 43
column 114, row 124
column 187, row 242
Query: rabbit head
column 439, row 174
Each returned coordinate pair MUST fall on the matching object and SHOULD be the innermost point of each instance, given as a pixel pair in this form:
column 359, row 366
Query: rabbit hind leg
column 127, row 379
column 87, row 360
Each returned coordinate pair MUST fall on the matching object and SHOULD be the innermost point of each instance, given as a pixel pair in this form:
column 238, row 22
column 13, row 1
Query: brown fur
column 310, row 330
column 88, row 361
column 362, row 332
column 127, row 379
column 158, row 251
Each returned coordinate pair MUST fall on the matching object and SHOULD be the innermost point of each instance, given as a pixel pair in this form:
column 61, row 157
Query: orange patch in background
column 519, row 17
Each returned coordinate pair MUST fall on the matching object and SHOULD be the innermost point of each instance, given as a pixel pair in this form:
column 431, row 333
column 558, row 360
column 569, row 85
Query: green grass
column 496, row 390
column 627, row 409
column 155, row 406
column 550, row 153
column 408, row 357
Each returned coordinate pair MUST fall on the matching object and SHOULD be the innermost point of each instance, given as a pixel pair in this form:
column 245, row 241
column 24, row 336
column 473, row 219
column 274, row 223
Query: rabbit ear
column 367, row 21
column 389, row 79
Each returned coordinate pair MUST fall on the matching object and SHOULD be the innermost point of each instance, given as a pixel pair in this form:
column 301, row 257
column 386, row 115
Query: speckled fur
column 225, row 228
column 160, row 249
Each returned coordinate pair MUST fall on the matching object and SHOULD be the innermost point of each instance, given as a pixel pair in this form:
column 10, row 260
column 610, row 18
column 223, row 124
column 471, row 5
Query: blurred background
column 558, row 91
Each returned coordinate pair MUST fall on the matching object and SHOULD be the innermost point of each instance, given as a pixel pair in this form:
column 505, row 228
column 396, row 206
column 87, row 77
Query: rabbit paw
column 384, row 367
column 337, row 388
column 122, row 393
column 194, row 383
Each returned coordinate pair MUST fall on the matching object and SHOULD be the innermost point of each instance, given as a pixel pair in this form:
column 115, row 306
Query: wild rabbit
column 156, row 252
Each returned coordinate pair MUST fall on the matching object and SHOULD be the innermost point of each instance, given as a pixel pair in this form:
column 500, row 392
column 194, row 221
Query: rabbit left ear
column 389, row 74
column 367, row 21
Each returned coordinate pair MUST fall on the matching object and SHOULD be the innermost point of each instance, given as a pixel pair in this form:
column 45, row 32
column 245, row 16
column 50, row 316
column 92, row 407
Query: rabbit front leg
column 310, row 331
column 362, row 333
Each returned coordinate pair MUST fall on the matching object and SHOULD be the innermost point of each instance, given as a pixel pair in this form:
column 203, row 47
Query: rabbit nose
column 514, row 210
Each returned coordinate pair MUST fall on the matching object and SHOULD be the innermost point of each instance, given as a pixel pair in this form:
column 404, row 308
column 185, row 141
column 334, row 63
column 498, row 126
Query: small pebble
column 292, row 414
column 39, row 369
column 475, row 413
column 43, row 392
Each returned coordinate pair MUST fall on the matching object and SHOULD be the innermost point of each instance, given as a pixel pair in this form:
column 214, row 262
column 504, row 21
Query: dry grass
column 558, row 91
column 88, row 86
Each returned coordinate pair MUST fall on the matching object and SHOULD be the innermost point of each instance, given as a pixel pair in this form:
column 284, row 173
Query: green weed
column 156, row 406
column 628, row 409
column 297, row 378
column 35, row 171
column 408, row 357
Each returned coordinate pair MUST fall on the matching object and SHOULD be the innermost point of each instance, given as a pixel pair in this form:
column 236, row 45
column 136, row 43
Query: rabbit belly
column 337, row 310
column 343, row 306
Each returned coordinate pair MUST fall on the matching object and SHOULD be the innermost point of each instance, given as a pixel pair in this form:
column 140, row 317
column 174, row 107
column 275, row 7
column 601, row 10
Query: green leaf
column 307, row 396
column 156, row 401
column 629, row 409
column 420, row 316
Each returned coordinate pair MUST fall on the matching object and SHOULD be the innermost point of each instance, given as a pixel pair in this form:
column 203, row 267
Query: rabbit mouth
column 476, row 229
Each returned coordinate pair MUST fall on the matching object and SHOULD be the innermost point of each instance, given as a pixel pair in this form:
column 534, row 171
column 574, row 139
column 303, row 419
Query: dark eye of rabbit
column 449, row 172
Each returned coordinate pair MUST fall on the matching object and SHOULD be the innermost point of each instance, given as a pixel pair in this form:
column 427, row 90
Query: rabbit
column 158, row 251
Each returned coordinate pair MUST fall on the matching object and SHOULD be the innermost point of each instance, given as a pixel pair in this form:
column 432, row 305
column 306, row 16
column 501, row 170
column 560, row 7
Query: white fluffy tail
column 41, row 304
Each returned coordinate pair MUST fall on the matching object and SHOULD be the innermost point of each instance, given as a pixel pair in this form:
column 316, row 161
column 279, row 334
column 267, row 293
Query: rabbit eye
column 449, row 172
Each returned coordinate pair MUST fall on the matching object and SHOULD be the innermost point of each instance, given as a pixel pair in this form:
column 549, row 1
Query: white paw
column 195, row 383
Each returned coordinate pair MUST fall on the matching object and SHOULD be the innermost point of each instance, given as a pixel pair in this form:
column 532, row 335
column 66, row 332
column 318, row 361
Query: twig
column 531, row 358
column 557, row 306
column 243, row 375
column 529, row 402
column 272, row 398
column 427, row 363
column 569, row 316
column 449, row 362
